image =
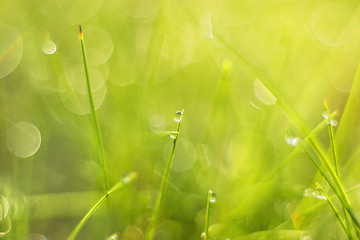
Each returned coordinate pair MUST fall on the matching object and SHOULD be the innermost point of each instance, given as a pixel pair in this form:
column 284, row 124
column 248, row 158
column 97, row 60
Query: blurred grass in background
column 148, row 59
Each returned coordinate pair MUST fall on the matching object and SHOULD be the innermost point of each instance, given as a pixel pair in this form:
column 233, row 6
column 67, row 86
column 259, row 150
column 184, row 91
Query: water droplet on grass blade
column 325, row 114
column 292, row 141
column 115, row 236
column 308, row 192
column 49, row 47
column 203, row 235
column 178, row 115
column 212, row 196
column 126, row 178
column 319, row 195
column 174, row 134
column 334, row 123
column 263, row 93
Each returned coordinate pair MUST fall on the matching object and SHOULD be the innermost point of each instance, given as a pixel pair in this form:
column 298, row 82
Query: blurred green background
column 147, row 59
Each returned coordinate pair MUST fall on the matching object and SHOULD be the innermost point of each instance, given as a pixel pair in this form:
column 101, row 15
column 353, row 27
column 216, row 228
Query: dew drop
column 334, row 123
column 178, row 116
column 49, row 47
column 115, row 236
column 291, row 140
column 319, row 195
column 212, row 197
column 308, row 192
column 126, row 178
column 325, row 114
column 203, row 235
column 174, row 134
column 263, row 93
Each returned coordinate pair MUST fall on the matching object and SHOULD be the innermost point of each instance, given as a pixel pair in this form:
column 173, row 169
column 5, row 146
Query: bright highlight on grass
column 164, row 182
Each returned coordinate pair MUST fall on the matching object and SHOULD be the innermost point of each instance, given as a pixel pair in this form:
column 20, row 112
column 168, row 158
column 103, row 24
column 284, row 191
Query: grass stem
column 93, row 113
column 164, row 182
column 118, row 186
column 336, row 213
column 210, row 199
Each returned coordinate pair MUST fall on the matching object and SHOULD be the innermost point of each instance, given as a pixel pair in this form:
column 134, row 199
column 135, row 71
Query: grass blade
column 336, row 213
column 210, row 199
column 333, row 186
column 93, row 113
column 298, row 122
column 329, row 121
column 119, row 185
column 331, row 136
column 155, row 217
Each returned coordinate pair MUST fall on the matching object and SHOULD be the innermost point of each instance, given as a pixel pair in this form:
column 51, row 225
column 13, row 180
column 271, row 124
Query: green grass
column 252, row 76
column 209, row 201
column 99, row 139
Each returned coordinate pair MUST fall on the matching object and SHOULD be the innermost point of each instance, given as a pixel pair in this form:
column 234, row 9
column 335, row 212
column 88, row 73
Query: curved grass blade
column 131, row 177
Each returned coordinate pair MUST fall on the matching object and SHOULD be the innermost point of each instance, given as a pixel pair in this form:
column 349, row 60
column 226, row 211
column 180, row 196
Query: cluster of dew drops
column 294, row 141
column 211, row 199
column 177, row 118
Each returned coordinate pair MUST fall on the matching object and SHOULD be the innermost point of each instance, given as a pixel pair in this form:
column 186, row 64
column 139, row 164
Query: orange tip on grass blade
column 80, row 32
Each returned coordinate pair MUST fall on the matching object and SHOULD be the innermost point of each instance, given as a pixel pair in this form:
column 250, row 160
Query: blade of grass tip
column 336, row 213
column 93, row 112
column 164, row 182
column 210, row 199
column 126, row 180
column 340, row 196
